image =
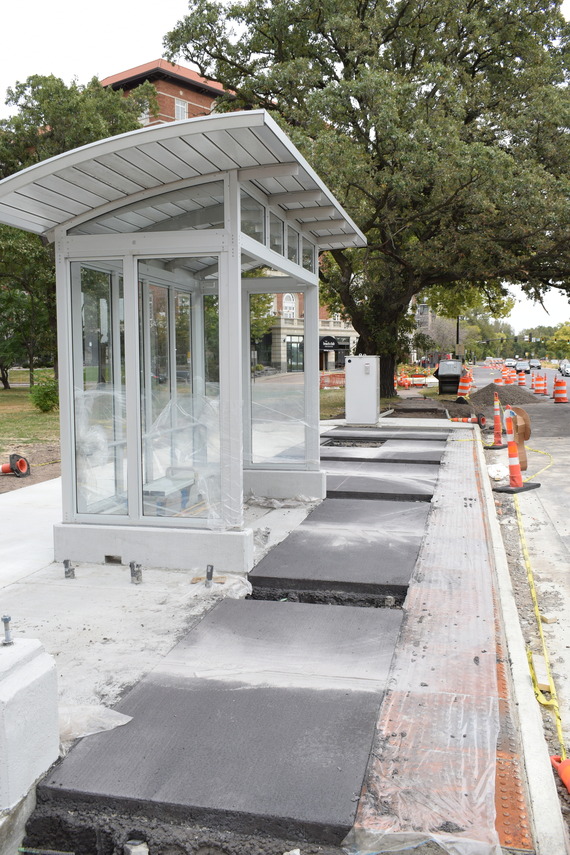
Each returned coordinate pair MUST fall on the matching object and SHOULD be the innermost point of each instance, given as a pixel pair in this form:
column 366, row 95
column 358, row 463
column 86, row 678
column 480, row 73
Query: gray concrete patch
column 381, row 480
column 349, row 547
column 425, row 433
column 240, row 750
column 394, row 450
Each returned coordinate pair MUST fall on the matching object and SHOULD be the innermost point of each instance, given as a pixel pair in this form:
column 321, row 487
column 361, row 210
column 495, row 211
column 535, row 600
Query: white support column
column 312, row 399
column 65, row 378
column 231, row 388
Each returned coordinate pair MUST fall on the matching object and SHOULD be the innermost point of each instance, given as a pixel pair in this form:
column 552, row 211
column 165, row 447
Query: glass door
column 179, row 377
column 99, row 387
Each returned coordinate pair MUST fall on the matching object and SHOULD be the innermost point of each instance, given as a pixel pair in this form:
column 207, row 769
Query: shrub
column 44, row 395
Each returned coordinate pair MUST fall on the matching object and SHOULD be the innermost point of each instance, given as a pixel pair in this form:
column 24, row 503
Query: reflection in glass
column 179, row 365
column 275, row 233
column 198, row 207
column 99, row 377
column 292, row 245
column 308, row 259
column 252, row 217
column 278, row 402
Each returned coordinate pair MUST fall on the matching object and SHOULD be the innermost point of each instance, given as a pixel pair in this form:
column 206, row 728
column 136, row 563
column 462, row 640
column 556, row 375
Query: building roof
column 162, row 69
column 106, row 175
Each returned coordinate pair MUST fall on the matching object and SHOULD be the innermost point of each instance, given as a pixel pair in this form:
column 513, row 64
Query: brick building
column 181, row 92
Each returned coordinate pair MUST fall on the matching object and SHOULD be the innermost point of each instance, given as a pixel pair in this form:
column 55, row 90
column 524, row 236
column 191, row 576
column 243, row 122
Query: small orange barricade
column 330, row 381
column 522, row 378
column 419, row 380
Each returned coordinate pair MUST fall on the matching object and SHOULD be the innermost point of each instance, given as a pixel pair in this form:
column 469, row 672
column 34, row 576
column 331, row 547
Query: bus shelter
column 171, row 242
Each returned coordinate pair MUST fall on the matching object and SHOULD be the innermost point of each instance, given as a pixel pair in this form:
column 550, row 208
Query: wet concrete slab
column 355, row 549
column 259, row 721
column 380, row 480
column 395, row 450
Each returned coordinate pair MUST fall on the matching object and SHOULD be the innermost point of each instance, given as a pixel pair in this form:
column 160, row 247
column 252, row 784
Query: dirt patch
column 44, row 461
column 515, row 395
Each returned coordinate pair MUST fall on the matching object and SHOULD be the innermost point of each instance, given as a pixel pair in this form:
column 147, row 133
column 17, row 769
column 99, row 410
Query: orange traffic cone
column 563, row 769
column 17, row 466
column 522, row 378
column 497, row 427
column 560, row 394
column 516, row 484
column 472, row 420
column 464, row 386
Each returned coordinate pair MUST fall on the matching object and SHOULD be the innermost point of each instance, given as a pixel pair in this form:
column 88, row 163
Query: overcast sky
column 75, row 40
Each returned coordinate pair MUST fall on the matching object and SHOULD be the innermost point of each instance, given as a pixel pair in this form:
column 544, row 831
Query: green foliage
column 558, row 344
column 53, row 117
column 45, row 396
column 441, row 127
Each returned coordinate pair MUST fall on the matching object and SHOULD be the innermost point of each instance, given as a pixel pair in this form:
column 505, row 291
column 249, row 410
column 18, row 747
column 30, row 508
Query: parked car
column 522, row 365
column 535, row 363
column 564, row 369
column 510, row 363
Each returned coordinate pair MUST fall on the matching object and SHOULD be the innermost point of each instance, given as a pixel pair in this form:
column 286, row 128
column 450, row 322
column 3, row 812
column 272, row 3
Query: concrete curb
column 547, row 821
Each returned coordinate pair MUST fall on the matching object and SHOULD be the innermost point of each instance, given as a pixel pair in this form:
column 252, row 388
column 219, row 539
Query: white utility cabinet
column 362, row 390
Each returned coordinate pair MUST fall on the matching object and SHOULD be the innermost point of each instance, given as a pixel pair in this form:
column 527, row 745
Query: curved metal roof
column 109, row 173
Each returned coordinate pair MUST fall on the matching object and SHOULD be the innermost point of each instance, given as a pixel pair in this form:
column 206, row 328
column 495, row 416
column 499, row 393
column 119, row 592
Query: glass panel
column 179, row 361
column 292, row 245
column 308, row 259
column 197, row 207
column 252, row 217
column 99, row 378
column 275, row 233
column 278, row 393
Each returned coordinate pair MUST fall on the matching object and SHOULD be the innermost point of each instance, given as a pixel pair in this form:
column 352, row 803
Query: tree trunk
column 387, row 371
column 4, row 379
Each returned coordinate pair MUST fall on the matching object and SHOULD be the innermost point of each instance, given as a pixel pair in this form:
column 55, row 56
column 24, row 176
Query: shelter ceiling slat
column 274, row 145
column 217, row 157
column 155, row 168
column 237, row 150
column 179, row 167
column 121, row 164
column 249, row 141
column 275, row 186
column 123, row 185
column 14, row 213
column 35, row 206
column 67, row 188
column 85, row 181
column 182, row 148
column 58, row 201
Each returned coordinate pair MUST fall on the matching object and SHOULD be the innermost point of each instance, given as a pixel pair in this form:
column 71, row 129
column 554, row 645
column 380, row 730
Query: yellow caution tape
column 541, row 698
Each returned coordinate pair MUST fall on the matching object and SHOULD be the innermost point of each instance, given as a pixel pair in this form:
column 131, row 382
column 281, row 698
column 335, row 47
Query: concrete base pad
column 345, row 548
column 260, row 720
column 394, row 450
column 381, row 480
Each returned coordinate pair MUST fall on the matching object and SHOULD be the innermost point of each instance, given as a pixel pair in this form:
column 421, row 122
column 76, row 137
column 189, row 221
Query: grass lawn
column 21, row 423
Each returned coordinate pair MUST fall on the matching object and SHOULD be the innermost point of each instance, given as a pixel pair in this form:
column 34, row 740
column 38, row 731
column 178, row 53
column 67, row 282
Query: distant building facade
column 184, row 94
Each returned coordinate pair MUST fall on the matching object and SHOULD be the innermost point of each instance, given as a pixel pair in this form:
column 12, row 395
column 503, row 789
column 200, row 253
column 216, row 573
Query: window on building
column 180, row 109
column 288, row 306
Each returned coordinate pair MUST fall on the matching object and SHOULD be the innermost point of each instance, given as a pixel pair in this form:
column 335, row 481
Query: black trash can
column 448, row 375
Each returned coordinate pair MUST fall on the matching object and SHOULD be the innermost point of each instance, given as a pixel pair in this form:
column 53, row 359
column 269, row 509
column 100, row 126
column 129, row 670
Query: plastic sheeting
column 431, row 776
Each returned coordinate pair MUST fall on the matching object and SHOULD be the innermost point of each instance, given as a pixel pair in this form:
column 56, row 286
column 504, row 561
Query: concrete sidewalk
column 106, row 633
